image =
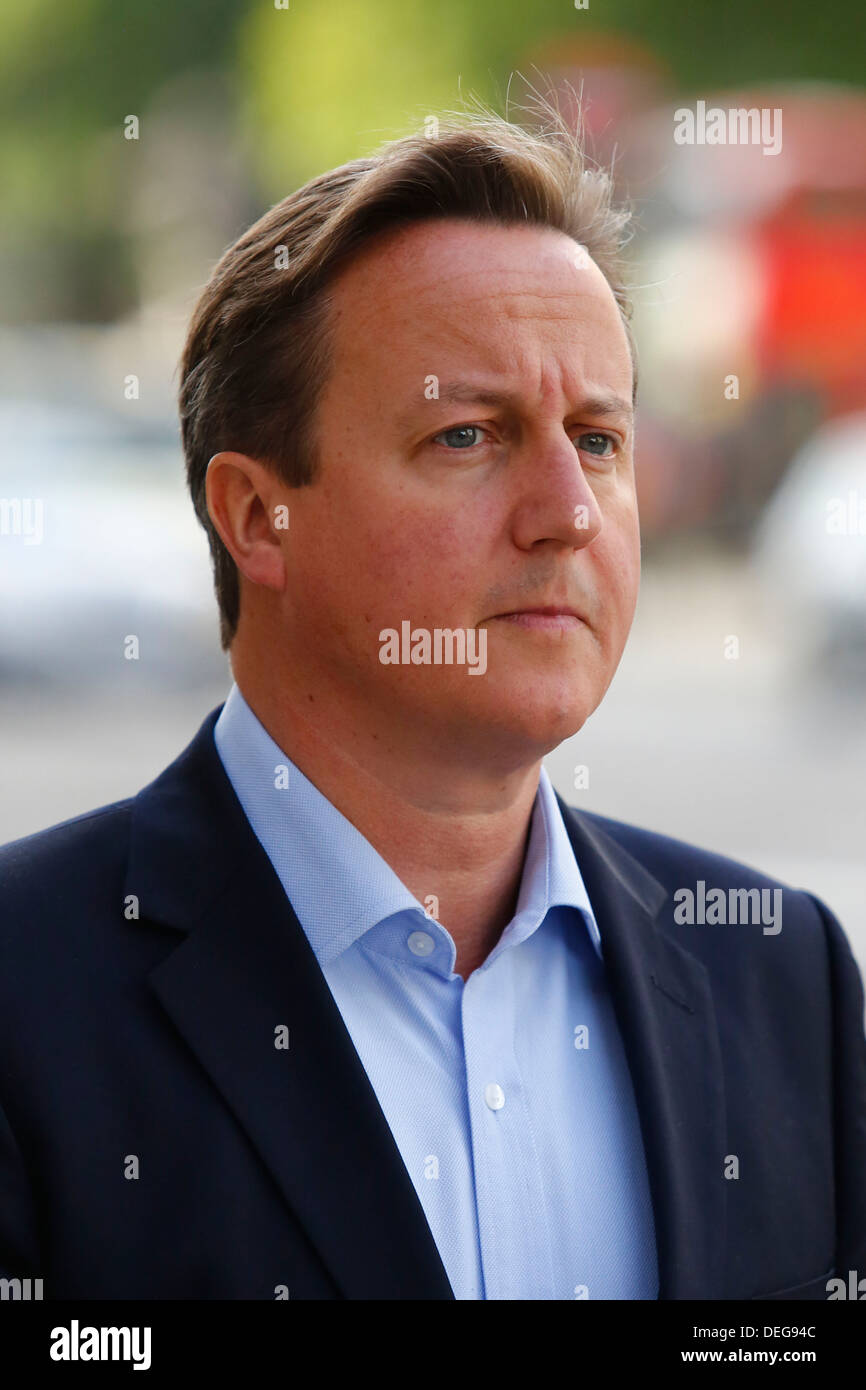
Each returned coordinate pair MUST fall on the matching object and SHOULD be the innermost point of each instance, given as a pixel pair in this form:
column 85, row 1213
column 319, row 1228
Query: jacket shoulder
column 49, row 869
column 673, row 861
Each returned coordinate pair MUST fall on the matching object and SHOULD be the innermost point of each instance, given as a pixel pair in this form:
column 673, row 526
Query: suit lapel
column 663, row 1002
column 243, row 969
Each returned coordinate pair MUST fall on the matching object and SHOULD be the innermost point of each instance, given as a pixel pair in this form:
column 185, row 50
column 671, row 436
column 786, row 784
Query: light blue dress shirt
column 508, row 1095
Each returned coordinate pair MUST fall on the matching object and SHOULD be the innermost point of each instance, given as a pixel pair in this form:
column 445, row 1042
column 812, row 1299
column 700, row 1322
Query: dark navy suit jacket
column 145, row 1044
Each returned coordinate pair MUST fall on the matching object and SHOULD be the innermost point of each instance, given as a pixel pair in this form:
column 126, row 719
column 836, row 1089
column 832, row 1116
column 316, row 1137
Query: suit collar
column 245, row 967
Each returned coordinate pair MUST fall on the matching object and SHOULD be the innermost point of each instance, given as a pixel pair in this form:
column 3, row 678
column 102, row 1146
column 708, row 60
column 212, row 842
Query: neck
column 448, row 831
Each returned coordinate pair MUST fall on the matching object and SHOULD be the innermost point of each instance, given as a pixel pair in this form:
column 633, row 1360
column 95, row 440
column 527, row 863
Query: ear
column 243, row 499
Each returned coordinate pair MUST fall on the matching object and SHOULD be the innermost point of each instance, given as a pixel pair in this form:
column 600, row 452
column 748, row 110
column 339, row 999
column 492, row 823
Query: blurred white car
column 99, row 544
column 811, row 546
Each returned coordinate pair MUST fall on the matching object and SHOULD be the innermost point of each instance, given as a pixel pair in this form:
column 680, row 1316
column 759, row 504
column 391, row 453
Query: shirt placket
column 513, row 1237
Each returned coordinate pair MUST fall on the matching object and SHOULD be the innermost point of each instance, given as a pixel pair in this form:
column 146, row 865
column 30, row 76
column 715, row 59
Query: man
column 348, row 1003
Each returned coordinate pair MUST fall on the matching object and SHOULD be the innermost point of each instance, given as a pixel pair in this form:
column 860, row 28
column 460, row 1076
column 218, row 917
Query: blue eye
column 601, row 445
column 461, row 430
column 605, row 440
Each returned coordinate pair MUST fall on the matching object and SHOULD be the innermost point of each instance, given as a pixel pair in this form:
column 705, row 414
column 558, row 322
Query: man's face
column 450, row 512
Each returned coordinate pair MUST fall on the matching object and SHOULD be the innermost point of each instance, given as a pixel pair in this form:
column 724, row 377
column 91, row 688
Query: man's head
column 421, row 364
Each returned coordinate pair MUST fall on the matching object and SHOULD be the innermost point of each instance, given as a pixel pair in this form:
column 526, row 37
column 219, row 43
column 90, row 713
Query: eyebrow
column 481, row 395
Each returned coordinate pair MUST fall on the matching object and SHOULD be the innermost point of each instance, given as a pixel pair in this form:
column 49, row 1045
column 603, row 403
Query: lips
column 545, row 618
column 546, row 611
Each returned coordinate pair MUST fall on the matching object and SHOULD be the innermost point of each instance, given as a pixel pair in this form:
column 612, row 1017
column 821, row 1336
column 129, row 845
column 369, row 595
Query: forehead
column 454, row 282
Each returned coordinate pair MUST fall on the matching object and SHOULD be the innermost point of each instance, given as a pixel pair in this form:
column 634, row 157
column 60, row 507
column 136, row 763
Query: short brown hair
column 258, row 346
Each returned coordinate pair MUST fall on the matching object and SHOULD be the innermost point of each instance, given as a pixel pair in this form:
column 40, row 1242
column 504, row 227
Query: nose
column 553, row 500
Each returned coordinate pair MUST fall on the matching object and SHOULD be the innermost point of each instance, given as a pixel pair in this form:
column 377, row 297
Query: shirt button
column 494, row 1096
column 421, row 943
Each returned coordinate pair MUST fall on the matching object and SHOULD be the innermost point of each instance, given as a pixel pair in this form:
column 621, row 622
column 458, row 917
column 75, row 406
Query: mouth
column 549, row 618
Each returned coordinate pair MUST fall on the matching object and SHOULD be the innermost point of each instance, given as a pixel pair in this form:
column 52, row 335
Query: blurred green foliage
column 313, row 85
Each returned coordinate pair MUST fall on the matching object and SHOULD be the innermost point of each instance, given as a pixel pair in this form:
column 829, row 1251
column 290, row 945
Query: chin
column 538, row 717
column 549, row 727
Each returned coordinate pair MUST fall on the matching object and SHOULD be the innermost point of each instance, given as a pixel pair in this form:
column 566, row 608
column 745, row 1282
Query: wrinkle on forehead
column 439, row 252
column 445, row 289
column 503, row 283
column 438, row 306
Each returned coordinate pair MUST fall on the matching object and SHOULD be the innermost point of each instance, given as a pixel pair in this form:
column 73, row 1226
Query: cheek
column 617, row 581
column 425, row 559
column 384, row 557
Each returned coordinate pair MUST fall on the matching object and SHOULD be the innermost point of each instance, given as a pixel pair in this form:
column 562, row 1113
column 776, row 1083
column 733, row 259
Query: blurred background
column 137, row 142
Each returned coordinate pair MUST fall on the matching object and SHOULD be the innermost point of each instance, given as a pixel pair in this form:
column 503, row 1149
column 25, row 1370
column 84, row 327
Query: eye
column 462, row 431
column 601, row 445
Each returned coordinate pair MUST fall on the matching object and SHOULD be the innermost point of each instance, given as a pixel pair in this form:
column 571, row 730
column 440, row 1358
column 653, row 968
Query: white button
column 421, row 943
column 494, row 1095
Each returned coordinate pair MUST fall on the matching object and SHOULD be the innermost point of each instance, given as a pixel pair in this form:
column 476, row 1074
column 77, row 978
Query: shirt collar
column 338, row 884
